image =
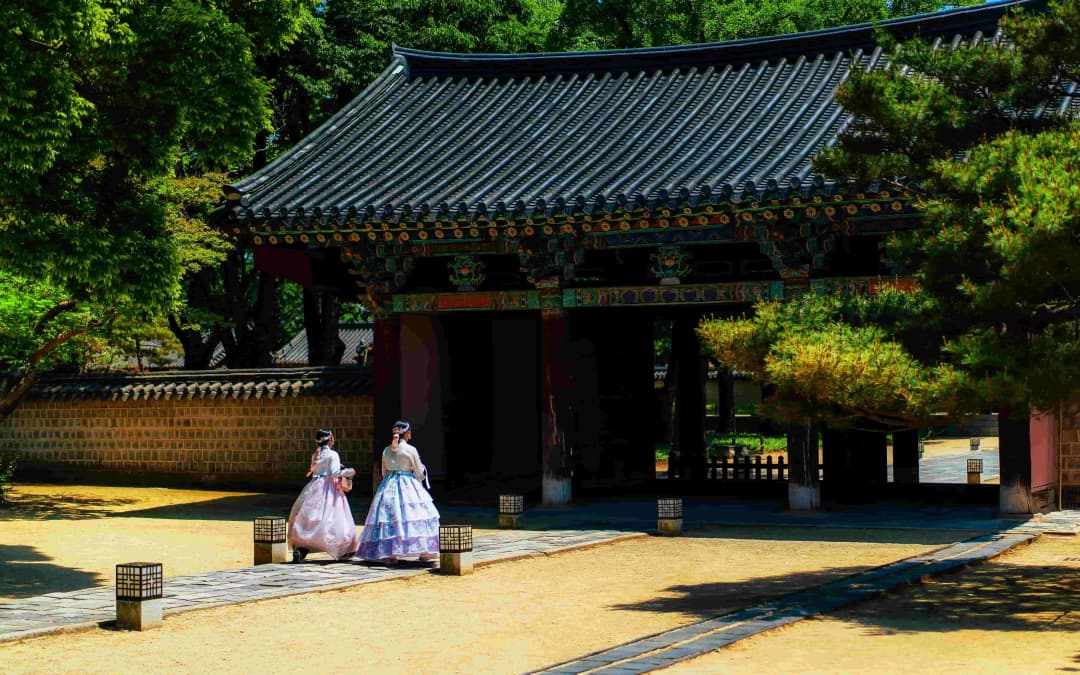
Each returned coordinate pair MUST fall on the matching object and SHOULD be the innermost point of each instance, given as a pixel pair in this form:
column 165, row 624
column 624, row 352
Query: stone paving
column 77, row 610
column 952, row 468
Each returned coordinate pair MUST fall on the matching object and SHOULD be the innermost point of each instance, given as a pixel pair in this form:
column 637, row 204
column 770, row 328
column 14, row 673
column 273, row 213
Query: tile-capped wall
column 249, row 441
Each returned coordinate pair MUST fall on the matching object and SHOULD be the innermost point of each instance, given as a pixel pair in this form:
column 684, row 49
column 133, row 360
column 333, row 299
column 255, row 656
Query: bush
column 7, row 473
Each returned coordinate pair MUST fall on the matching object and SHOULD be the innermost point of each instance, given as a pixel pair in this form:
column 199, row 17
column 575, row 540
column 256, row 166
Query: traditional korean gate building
column 518, row 223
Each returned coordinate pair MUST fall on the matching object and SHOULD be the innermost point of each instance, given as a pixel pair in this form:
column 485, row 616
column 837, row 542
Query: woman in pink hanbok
column 402, row 521
column 320, row 519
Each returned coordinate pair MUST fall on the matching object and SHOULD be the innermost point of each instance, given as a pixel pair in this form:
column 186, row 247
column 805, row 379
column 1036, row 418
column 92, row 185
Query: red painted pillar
column 386, row 356
column 556, row 380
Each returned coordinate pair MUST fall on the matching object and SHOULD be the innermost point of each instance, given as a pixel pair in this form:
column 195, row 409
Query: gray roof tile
column 221, row 383
column 454, row 136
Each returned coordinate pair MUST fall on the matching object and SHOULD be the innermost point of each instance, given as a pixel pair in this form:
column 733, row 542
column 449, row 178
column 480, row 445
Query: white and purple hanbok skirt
column 402, row 520
column 320, row 519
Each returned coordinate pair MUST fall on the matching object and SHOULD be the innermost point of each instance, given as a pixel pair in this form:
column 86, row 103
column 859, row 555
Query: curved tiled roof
column 455, row 136
column 357, row 338
column 219, row 384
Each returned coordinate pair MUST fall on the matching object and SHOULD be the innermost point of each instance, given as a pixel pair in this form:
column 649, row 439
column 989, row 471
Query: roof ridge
column 970, row 19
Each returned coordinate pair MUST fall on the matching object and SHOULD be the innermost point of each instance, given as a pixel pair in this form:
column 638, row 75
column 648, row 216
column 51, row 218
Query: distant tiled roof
column 220, row 384
column 660, row 374
column 472, row 137
column 357, row 338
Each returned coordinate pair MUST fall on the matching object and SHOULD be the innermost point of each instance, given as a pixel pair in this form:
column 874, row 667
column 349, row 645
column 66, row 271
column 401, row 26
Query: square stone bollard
column 510, row 509
column 669, row 515
column 455, row 549
column 974, row 471
column 270, row 546
column 138, row 595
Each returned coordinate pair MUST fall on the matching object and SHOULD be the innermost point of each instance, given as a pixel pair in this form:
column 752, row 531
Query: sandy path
column 515, row 616
column 63, row 538
column 1019, row 613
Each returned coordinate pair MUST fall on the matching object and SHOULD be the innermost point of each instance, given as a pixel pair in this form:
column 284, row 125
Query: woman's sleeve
column 335, row 464
column 385, row 462
column 419, row 470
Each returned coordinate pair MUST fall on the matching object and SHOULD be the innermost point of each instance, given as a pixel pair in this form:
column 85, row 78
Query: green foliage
column 755, row 443
column 832, row 358
column 996, row 320
column 101, row 103
column 618, row 24
column 23, row 304
column 8, row 462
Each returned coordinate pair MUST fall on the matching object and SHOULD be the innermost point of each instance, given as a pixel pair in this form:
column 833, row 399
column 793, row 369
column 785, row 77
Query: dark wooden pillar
column 1014, row 456
column 689, row 436
column 856, row 464
column 725, row 401
column 515, row 391
column 905, row 454
column 804, row 488
column 555, row 383
column 387, row 365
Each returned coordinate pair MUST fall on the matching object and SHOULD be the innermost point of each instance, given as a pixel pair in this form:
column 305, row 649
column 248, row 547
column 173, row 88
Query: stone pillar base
column 138, row 614
column 669, row 526
column 1016, row 500
column 266, row 552
column 557, row 491
column 456, row 563
column 508, row 521
column 803, row 498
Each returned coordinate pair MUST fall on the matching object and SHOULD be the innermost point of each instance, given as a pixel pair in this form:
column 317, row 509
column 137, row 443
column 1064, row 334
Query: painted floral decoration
column 670, row 264
column 466, row 272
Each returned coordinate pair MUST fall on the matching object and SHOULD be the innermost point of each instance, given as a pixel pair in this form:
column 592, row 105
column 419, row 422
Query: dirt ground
column 1020, row 613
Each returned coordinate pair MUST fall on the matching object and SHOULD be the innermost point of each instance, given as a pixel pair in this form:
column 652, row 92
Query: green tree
column 102, row 100
column 621, row 24
column 995, row 322
column 342, row 46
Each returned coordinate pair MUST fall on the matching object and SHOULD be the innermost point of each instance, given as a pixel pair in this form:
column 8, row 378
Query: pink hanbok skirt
column 320, row 519
column 402, row 520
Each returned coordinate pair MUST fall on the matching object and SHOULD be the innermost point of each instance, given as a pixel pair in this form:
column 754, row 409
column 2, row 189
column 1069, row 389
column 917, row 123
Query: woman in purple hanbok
column 402, row 521
column 320, row 519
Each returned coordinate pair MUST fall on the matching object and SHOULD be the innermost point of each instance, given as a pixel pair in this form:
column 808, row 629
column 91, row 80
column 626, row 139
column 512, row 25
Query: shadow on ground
column 27, row 572
column 994, row 596
column 70, row 507
column 988, row 597
column 239, row 507
column 706, row 601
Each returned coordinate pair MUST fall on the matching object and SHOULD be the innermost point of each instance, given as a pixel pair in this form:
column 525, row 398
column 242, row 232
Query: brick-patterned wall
column 259, row 442
column 1069, row 447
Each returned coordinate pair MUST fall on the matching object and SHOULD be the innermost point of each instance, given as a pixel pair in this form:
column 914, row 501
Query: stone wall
column 252, row 430
column 1069, row 447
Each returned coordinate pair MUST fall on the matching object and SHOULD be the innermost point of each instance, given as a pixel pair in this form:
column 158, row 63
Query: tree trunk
column 322, row 313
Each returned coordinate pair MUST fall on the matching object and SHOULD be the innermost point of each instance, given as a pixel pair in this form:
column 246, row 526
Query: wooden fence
column 747, row 468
